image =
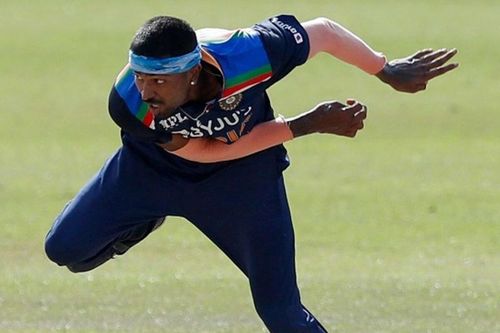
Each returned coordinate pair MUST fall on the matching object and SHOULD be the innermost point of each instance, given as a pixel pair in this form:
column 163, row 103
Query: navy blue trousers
column 241, row 206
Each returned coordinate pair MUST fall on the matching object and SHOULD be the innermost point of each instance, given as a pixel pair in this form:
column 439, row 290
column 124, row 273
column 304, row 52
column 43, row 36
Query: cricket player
column 201, row 141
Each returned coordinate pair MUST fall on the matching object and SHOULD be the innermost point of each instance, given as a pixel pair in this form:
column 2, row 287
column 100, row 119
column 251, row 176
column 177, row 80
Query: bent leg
column 119, row 207
column 246, row 214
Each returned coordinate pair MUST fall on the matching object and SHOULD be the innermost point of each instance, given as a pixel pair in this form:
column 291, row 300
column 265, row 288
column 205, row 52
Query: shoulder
column 240, row 55
column 225, row 43
column 207, row 35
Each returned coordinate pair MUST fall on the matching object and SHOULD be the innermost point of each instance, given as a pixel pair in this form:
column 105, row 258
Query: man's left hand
column 411, row 74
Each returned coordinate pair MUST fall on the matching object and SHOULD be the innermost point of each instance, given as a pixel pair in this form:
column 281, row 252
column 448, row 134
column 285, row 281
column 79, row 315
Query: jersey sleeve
column 286, row 43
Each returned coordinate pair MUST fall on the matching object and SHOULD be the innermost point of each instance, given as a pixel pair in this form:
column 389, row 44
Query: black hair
column 164, row 36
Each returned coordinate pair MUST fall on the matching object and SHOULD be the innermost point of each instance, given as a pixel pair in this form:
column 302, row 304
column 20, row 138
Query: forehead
column 154, row 76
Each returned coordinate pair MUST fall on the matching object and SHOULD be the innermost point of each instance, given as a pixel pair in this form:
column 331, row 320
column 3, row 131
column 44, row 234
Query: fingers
column 351, row 133
column 439, row 71
column 359, row 113
column 421, row 53
column 420, row 86
column 429, row 65
column 336, row 104
column 441, row 60
column 434, row 63
column 436, row 68
column 331, row 106
column 341, row 119
column 433, row 55
column 355, row 108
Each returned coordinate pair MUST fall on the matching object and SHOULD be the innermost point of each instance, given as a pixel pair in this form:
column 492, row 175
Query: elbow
column 321, row 20
column 323, row 35
column 325, row 25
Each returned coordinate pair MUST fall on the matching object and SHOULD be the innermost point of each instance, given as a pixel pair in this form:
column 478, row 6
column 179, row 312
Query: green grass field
column 397, row 230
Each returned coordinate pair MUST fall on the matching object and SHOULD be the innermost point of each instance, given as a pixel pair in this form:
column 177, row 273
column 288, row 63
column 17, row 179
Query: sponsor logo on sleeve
column 299, row 39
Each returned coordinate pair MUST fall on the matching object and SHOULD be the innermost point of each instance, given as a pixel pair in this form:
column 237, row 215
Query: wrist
column 301, row 125
column 383, row 74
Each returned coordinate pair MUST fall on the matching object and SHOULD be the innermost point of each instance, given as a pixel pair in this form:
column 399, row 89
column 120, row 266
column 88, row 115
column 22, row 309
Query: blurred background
column 397, row 230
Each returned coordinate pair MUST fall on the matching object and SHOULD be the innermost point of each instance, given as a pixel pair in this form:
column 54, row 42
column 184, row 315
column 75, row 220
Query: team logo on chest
column 230, row 103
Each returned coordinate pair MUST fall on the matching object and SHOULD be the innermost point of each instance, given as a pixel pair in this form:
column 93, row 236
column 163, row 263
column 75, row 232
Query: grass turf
column 397, row 230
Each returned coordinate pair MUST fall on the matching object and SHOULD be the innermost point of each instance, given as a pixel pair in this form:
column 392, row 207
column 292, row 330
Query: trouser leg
column 79, row 259
column 114, row 211
column 248, row 218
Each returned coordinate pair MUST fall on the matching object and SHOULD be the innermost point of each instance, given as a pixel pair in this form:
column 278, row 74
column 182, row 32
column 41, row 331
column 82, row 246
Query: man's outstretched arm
column 410, row 74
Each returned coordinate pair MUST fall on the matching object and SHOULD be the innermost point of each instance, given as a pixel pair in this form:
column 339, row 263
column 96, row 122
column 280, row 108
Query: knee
column 55, row 244
column 57, row 249
column 64, row 253
column 62, row 245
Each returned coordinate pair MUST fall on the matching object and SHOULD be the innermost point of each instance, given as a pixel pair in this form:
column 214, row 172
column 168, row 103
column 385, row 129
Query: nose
column 146, row 91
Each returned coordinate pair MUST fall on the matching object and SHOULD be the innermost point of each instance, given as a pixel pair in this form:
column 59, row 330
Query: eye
column 160, row 81
column 137, row 77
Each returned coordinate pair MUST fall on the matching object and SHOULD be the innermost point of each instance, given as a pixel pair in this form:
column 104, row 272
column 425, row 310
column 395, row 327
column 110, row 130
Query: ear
column 195, row 73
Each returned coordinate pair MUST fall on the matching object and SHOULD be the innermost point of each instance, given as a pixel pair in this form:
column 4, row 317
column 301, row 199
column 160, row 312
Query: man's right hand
column 330, row 117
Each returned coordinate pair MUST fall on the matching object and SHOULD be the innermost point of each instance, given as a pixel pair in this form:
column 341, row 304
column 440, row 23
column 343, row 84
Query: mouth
column 154, row 108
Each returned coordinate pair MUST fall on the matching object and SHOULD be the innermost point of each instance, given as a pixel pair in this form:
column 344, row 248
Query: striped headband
column 170, row 65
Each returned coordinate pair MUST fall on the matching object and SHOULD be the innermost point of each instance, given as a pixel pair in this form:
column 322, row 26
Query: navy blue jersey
column 250, row 61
